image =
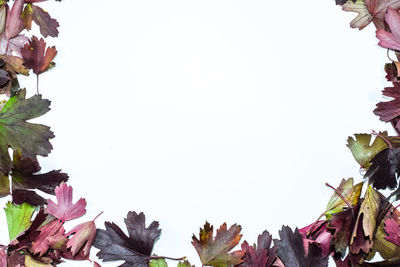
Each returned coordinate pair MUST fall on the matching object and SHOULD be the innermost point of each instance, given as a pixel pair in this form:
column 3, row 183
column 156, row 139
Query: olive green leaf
column 32, row 139
column 362, row 149
column 18, row 218
column 364, row 229
column 158, row 263
column 349, row 191
column 185, row 264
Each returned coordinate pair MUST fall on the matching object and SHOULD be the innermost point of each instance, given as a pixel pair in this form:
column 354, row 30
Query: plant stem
column 37, row 83
column 340, row 195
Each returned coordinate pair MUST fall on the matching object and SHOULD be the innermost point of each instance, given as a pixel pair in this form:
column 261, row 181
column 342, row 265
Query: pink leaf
column 390, row 39
column 50, row 234
column 14, row 45
column 14, row 23
column 393, row 231
column 65, row 210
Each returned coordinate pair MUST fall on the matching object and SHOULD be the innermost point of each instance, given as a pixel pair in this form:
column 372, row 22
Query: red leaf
column 37, row 57
column 65, row 210
column 50, row 234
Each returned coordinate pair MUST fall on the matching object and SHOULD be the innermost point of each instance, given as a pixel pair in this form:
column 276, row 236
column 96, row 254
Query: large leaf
column 136, row 249
column 215, row 251
column 18, row 218
column 31, row 139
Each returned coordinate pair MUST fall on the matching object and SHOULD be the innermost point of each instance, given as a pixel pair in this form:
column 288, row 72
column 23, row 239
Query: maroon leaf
column 36, row 57
column 50, row 234
column 261, row 254
column 384, row 169
column 319, row 234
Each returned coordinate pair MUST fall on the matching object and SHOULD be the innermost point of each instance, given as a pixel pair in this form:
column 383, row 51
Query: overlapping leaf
column 292, row 253
column 25, row 177
column 136, row 249
column 215, row 251
column 362, row 149
column 18, row 218
column 31, row 139
column 261, row 254
column 385, row 169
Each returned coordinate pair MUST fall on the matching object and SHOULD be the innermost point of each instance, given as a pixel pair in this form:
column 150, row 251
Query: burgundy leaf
column 260, row 254
column 393, row 231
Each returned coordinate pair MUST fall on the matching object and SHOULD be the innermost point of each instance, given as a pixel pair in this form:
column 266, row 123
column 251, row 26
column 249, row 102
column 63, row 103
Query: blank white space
column 233, row 111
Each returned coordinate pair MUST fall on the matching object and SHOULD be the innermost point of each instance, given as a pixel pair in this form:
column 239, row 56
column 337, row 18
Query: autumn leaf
column 369, row 11
column 30, row 262
column 364, row 229
column 37, row 57
column 4, row 184
column 261, row 254
column 389, row 110
column 362, row 149
column 215, row 251
column 18, row 218
column 84, row 235
column 15, row 132
column 292, row 253
column 136, row 249
column 342, row 224
column 14, row 23
column 65, row 210
column 184, row 263
column 48, row 25
column 12, row 46
column 393, row 231
column 51, row 235
column 390, row 39
column 25, row 176
column 384, row 169
column 349, row 191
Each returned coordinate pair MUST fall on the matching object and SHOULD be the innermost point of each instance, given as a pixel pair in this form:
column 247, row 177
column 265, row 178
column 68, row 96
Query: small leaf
column 261, row 254
column 216, row 251
column 158, row 263
column 393, row 231
column 48, row 25
column 37, row 57
column 18, row 218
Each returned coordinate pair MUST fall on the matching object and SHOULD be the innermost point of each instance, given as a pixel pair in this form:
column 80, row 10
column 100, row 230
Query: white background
column 215, row 110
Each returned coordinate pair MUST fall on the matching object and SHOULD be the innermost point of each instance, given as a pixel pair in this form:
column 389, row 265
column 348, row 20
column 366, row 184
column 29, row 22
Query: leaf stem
column 340, row 195
column 383, row 138
column 37, row 83
column 97, row 216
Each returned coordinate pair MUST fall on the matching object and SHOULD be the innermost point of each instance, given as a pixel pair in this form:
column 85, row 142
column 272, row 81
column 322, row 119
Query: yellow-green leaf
column 18, row 218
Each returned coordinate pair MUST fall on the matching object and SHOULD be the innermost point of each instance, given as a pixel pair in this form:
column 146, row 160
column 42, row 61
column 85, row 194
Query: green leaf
column 349, row 191
column 18, row 218
column 158, row 263
column 184, row 264
column 362, row 151
column 32, row 139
